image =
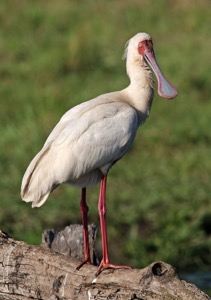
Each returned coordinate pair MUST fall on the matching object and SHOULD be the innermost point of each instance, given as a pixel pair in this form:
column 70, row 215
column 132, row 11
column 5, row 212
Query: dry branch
column 34, row 272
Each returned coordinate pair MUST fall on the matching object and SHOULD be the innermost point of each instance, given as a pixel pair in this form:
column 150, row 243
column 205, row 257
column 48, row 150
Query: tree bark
column 70, row 241
column 35, row 272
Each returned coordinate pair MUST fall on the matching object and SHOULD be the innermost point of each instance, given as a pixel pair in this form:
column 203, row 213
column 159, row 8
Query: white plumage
column 92, row 136
column 82, row 146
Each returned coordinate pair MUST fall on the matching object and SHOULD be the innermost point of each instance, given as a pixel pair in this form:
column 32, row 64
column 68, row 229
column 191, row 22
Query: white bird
column 94, row 135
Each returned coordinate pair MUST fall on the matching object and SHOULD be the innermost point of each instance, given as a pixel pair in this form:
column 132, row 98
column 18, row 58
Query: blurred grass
column 56, row 54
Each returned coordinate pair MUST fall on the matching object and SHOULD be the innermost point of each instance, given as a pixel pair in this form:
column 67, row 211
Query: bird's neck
column 141, row 87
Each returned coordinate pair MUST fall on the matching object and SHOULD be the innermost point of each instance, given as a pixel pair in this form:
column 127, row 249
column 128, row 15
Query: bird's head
column 141, row 48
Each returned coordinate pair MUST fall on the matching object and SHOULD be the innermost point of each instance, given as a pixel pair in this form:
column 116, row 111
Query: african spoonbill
column 93, row 135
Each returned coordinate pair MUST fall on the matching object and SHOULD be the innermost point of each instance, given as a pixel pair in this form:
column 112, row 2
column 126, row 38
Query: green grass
column 56, row 54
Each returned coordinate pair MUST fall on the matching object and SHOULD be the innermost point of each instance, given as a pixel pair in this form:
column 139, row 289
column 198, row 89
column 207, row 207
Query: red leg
column 105, row 263
column 84, row 212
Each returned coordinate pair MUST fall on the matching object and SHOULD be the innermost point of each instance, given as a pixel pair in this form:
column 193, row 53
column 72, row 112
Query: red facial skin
column 144, row 46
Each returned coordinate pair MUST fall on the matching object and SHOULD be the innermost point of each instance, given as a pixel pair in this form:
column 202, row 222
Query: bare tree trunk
column 35, row 272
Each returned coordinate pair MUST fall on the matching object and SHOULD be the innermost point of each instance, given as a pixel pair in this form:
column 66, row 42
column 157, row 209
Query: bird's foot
column 103, row 265
column 85, row 261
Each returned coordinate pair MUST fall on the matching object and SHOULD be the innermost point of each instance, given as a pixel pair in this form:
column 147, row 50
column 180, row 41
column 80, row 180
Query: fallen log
column 36, row 272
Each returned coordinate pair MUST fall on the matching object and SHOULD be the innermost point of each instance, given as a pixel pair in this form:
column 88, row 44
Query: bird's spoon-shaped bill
column 165, row 88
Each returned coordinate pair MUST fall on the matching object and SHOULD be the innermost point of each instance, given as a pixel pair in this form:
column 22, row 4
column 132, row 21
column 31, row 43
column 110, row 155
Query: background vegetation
column 56, row 54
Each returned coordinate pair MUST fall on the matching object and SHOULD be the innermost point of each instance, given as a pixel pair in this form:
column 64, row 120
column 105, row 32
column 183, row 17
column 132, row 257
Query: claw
column 85, row 261
column 104, row 266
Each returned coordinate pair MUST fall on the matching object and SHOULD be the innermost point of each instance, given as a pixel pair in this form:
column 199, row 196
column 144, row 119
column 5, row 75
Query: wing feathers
column 85, row 143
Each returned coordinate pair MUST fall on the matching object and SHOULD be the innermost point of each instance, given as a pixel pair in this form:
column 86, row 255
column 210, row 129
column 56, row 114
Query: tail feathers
column 38, row 202
column 36, row 184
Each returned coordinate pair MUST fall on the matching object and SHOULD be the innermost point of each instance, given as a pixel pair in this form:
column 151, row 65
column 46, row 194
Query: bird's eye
column 149, row 44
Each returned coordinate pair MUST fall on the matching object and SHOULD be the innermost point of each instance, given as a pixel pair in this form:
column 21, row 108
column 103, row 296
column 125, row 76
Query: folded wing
column 83, row 145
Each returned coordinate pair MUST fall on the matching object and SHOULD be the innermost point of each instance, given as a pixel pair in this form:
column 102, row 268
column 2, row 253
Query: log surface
column 35, row 272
